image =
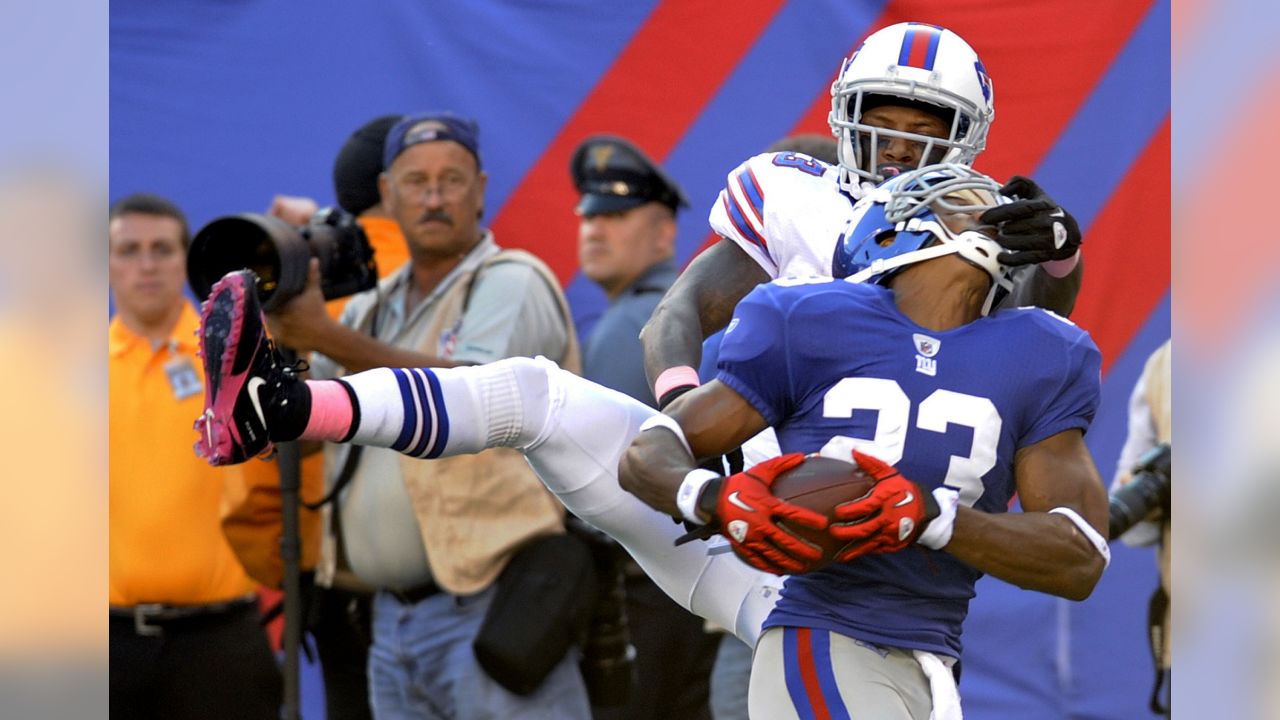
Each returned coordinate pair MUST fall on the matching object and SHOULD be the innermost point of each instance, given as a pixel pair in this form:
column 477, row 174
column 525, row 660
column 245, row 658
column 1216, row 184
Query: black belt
column 415, row 594
column 153, row 619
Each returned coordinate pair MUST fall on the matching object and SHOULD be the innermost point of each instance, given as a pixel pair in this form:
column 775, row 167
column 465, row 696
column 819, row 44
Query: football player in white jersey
column 912, row 95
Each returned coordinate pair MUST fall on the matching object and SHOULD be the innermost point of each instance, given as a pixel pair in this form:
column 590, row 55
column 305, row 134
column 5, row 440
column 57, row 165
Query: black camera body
column 279, row 253
column 1149, row 489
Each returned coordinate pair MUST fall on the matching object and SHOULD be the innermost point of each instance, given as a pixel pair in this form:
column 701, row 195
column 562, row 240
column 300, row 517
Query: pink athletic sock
column 331, row 412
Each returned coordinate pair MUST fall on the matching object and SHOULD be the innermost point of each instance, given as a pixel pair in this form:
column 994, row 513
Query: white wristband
column 1094, row 536
column 668, row 422
column 690, row 489
column 938, row 533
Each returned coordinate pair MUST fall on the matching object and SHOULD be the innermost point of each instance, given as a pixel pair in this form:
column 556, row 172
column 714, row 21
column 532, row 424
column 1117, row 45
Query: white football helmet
column 904, row 221
column 914, row 63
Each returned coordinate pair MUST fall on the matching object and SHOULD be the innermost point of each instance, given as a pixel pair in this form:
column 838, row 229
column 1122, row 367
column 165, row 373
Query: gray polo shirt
column 612, row 355
column 511, row 312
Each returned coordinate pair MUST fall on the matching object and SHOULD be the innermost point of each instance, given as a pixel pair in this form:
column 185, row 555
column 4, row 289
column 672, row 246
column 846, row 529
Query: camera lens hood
column 269, row 246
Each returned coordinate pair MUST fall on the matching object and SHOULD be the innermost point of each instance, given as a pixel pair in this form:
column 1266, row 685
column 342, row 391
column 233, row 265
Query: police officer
column 626, row 245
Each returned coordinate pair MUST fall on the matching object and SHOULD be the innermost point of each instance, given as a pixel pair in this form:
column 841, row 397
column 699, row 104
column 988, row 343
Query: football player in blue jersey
column 950, row 411
column 913, row 94
column 950, row 407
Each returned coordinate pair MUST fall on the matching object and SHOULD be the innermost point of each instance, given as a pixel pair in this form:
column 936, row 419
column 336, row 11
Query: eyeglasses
column 450, row 188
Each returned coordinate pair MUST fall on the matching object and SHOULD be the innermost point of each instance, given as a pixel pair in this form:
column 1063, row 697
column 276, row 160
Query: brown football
column 820, row 484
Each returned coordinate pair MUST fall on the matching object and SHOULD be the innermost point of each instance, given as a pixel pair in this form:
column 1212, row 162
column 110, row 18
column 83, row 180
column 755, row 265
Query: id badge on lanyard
column 183, row 378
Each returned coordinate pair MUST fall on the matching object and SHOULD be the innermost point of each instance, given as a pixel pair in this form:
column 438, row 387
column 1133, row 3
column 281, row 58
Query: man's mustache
column 436, row 215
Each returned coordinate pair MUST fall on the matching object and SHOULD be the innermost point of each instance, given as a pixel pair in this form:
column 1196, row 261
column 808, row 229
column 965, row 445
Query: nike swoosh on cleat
column 254, row 384
column 906, row 500
column 735, row 500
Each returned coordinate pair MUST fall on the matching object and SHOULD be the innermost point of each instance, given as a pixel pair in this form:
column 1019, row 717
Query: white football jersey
column 786, row 211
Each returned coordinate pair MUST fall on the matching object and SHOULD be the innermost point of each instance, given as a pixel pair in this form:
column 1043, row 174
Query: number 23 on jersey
column 935, row 413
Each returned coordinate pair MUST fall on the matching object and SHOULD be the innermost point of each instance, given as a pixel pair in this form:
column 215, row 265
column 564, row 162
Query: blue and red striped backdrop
column 221, row 104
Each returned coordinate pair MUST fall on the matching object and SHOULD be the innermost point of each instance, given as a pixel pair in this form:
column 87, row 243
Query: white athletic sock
column 408, row 410
column 430, row 413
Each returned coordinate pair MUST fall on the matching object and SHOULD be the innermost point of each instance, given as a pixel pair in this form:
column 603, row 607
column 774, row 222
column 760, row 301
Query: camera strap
column 1157, row 610
column 347, row 472
column 352, row 460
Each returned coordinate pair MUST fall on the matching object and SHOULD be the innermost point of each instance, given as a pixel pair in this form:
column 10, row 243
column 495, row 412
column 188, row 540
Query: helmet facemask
column 915, row 208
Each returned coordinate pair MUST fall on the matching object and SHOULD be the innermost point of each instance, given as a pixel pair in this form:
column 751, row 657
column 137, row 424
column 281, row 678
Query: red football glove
column 887, row 519
column 748, row 515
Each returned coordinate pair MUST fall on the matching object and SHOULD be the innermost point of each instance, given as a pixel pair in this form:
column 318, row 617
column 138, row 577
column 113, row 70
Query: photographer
column 437, row 538
column 1146, row 495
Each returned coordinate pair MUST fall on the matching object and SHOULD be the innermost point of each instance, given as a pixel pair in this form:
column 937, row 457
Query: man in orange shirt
column 185, row 641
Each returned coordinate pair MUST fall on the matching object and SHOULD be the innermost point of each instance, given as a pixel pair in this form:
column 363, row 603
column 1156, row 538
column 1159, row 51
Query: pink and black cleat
column 239, row 361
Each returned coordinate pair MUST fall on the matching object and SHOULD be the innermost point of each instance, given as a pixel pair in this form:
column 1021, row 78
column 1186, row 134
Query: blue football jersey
column 835, row 364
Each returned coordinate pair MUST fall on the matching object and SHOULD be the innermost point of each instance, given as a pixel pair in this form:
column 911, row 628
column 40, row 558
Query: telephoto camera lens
column 1149, row 489
column 279, row 254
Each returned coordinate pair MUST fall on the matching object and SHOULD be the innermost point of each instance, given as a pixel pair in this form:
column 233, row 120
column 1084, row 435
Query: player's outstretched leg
column 573, row 432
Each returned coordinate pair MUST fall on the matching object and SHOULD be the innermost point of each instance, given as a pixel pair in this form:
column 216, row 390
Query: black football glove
column 1033, row 228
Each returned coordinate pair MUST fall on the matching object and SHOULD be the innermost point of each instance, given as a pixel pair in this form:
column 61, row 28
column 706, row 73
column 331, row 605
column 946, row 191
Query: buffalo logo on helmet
column 983, row 79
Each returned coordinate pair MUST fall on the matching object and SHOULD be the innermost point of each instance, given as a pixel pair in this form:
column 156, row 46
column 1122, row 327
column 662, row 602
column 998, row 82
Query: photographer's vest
column 476, row 510
column 1159, row 385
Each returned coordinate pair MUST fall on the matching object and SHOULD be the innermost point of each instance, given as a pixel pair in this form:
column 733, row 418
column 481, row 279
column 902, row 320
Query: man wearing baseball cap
column 433, row 537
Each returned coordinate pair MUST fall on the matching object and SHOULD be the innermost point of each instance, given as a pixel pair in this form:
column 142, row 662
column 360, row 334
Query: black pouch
column 541, row 605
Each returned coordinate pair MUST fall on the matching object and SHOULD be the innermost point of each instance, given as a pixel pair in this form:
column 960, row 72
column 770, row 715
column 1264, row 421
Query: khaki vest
column 1158, row 375
column 476, row 510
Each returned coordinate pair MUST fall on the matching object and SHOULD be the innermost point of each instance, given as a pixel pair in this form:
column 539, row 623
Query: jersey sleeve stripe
column 740, row 223
column 751, row 191
column 752, row 211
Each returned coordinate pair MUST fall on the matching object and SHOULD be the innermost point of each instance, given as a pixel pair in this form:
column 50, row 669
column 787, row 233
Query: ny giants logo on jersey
column 926, row 348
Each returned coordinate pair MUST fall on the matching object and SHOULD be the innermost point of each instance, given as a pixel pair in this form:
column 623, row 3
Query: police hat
column 614, row 175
